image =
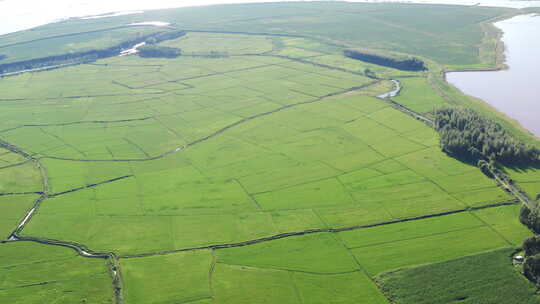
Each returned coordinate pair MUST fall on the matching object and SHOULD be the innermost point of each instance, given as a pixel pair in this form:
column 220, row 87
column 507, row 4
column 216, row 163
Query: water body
column 394, row 92
column 515, row 91
column 17, row 15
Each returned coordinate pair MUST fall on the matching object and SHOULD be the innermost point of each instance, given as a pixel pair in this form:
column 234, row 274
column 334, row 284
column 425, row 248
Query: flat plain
column 259, row 167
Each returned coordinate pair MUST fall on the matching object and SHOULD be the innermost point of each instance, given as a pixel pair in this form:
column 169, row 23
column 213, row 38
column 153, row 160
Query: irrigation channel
column 112, row 258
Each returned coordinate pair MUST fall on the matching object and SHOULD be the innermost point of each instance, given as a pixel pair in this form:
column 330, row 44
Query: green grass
column 411, row 243
column 81, row 42
column 316, row 162
column 296, row 220
column 426, row 250
column 243, row 285
column 316, row 194
column 22, row 178
column 418, row 95
column 353, row 287
column 409, row 230
column 171, row 278
column 65, row 176
column 127, row 234
column 223, row 45
column 366, row 213
column 34, row 273
column 528, row 179
column 483, row 278
column 305, row 269
column 447, row 34
column 317, row 253
column 340, row 161
column 505, row 220
column 8, row 158
column 14, row 209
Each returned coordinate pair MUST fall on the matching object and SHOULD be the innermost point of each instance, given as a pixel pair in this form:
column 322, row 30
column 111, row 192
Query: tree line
column 400, row 63
column 158, row 51
column 469, row 136
column 531, row 246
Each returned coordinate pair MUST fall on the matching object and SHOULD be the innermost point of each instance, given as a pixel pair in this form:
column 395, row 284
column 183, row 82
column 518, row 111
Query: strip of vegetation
column 400, row 63
column 531, row 218
column 158, row 51
column 469, row 136
column 87, row 56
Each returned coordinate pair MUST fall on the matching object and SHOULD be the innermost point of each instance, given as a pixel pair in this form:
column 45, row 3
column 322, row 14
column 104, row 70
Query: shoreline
column 500, row 65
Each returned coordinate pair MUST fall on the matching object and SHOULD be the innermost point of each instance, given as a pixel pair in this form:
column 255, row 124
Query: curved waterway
column 394, row 92
column 515, row 91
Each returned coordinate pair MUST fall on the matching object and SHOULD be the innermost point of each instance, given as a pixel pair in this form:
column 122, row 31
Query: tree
column 530, row 218
column 485, row 167
column 472, row 137
column 531, row 268
column 531, row 246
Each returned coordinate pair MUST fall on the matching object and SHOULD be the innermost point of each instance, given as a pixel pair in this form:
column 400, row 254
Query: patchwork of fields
column 253, row 169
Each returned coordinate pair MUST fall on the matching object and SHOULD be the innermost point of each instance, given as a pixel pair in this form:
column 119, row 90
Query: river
column 17, row 15
column 515, row 91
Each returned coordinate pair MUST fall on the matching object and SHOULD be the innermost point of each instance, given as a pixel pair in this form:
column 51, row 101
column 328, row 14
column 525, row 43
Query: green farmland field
column 483, row 278
column 61, row 44
column 34, row 273
column 258, row 167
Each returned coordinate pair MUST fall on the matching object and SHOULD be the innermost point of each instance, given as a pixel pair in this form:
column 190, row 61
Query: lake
column 515, row 91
